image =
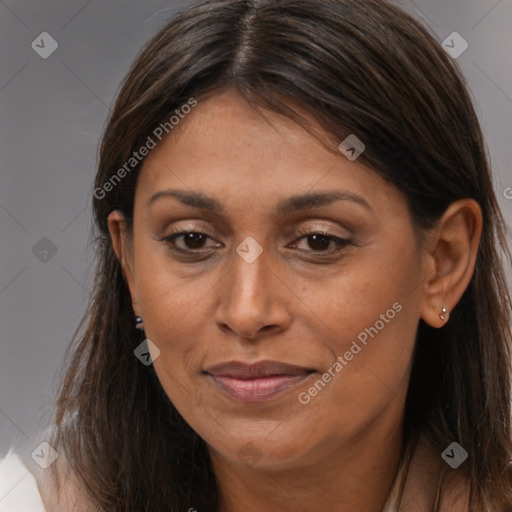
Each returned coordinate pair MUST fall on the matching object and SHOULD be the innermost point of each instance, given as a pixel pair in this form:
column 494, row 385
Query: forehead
column 225, row 148
column 224, row 128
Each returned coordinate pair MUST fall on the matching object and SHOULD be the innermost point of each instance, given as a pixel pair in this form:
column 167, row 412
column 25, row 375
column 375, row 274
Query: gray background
column 52, row 112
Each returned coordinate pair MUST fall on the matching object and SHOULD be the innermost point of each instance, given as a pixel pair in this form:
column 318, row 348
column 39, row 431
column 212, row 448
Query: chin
column 260, row 452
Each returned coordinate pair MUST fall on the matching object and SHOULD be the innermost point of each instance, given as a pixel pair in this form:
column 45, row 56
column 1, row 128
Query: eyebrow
column 290, row 205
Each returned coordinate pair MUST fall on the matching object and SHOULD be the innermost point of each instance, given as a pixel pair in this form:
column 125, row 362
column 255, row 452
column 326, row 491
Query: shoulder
column 60, row 491
column 432, row 485
column 18, row 488
column 29, row 487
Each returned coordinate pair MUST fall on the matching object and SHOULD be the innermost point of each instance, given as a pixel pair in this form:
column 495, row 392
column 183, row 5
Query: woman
column 299, row 303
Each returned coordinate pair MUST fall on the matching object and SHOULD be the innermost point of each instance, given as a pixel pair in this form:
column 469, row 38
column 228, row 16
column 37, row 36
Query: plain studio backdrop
column 61, row 64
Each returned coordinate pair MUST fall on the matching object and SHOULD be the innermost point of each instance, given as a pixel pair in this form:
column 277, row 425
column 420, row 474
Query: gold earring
column 443, row 314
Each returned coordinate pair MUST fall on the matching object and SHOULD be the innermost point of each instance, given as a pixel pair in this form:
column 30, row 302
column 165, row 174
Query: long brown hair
column 365, row 68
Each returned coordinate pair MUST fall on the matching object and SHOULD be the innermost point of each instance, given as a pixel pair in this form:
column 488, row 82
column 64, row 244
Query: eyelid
column 318, row 229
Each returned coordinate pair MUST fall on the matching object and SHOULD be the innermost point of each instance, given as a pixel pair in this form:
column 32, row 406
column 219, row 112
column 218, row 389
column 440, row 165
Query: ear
column 451, row 253
column 122, row 243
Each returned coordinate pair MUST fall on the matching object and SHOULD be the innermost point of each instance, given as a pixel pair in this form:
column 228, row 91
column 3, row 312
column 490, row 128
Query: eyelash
column 302, row 234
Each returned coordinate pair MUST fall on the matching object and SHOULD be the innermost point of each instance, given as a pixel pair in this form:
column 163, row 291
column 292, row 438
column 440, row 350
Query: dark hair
column 364, row 68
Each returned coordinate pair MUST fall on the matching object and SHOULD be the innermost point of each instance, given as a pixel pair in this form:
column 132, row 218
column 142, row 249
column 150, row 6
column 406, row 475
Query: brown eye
column 194, row 240
column 190, row 241
column 321, row 242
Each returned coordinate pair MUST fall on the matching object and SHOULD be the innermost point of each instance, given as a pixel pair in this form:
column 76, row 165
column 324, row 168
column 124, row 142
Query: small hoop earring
column 138, row 323
column 443, row 314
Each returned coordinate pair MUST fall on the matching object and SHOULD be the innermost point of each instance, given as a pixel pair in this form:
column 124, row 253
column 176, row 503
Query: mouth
column 257, row 382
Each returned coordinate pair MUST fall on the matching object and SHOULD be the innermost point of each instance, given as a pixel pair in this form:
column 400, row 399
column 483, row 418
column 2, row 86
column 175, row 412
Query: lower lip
column 258, row 390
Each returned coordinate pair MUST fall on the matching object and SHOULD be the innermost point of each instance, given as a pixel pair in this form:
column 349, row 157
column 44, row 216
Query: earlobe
column 452, row 255
column 436, row 316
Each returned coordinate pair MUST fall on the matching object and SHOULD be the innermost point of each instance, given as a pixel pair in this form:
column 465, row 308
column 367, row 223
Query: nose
column 253, row 299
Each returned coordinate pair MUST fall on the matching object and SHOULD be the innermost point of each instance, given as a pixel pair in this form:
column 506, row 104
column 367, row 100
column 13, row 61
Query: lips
column 256, row 382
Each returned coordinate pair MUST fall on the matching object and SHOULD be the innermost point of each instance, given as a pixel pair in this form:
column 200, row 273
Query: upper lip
column 239, row 370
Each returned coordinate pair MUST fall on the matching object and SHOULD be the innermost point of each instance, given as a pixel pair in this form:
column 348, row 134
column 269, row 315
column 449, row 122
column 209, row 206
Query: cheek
column 172, row 305
column 174, row 311
column 174, row 315
column 360, row 294
column 369, row 376
column 372, row 314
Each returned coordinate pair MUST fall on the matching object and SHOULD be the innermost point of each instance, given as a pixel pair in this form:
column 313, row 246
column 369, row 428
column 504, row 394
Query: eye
column 192, row 241
column 319, row 241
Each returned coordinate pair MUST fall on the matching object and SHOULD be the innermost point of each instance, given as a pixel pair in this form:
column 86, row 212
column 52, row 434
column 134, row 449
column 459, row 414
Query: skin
column 292, row 304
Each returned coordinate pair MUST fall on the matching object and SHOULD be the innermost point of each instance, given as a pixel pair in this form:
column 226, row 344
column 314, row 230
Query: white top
column 18, row 486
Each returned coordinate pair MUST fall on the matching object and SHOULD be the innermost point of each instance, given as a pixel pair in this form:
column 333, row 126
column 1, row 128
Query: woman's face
column 341, row 308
